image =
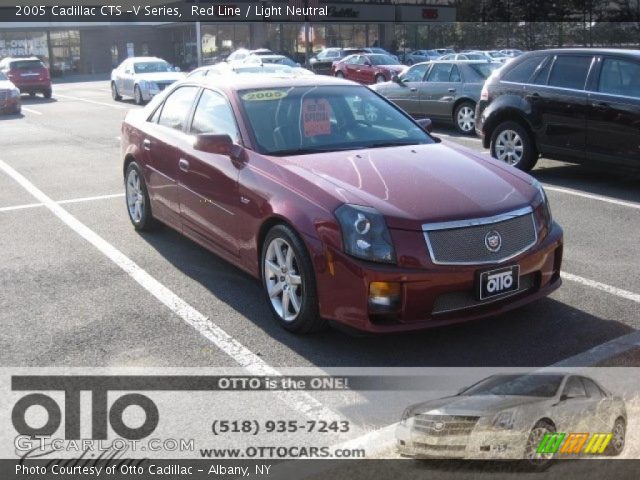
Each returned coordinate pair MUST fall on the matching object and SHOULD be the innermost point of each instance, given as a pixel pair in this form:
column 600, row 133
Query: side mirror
column 367, row 63
column 425, row 124
column 395, row 78
column 218, row 144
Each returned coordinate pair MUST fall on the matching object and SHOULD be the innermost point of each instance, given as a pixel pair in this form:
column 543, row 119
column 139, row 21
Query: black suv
column 577, row 105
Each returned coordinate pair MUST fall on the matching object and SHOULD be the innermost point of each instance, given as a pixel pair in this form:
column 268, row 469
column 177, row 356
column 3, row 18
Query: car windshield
column 281, row 61
column 382, row 60
column 264, row 68
column 475, row 56
column 523, row 385
column 151, row 67
column 484, row 69
column 309, row 119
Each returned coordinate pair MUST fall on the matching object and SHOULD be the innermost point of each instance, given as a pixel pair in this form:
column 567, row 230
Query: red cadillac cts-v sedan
column 366, row 221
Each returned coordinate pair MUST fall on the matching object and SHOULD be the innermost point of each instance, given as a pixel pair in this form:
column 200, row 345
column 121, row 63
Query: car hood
column 411, row 185
column 160, row 76
column 476, row 405
column 393, row 68
column 6, row 85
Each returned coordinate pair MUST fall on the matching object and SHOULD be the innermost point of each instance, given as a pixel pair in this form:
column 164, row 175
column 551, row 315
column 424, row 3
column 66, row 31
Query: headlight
column 407, row 415
column 15, row 93
column 504, row 420
column 365, row 234
column 544, row 201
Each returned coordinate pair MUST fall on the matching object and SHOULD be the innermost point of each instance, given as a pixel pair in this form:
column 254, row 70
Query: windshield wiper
column 391, row 144
column 299, row 151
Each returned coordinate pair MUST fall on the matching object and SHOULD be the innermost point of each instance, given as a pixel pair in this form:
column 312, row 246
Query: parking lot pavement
column 70, row 296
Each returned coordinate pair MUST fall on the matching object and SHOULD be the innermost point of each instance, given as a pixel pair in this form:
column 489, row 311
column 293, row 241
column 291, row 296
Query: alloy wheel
column 509, row 147
column 283, row 280
column 533, row 442
column 618, row 437
column 466, row 119
column 135, row 196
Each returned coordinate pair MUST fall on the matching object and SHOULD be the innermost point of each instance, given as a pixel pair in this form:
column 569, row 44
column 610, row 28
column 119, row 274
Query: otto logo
column 430, row 13
column 499, row 281
column 101, row 414
column 493, row 241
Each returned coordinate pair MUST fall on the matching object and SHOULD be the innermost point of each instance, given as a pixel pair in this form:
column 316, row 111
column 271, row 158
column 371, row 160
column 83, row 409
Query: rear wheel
column 114, row 92
column 380, row 79
column 137, row 196
column 47, row 93
column 339, row 74
column 512, row 144
column 618, row 435
column 289, row 282
column 465, row 117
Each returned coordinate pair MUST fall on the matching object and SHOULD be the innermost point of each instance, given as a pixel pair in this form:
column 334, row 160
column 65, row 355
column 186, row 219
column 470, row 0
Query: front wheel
column 380, row 79
column 289, row 282
column 512, row 144
column 114, row 92
column 137, row 95
column 137, row 196
column 535, row 460
column 465, row 118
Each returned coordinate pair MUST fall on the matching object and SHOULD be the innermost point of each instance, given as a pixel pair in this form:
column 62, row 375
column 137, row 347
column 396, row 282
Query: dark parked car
column 30, row 75
column 577, row 105
column 322, row 61
column 367, row 68
column 444, row 91
column 371, row 224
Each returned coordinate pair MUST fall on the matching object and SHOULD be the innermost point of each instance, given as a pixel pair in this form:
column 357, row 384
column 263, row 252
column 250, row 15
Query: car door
column 572, row 413
column 405, row 94
column 366, row 73
column 558, row 101
column 354, row 66
column 164, row 132
column 437, row 92
column 601, row 407
column 613, row 118
column 208, row 182
column 128, row 79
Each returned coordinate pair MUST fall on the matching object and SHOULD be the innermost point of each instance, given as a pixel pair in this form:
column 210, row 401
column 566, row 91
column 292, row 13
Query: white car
column 142, row 78
column 274, row 59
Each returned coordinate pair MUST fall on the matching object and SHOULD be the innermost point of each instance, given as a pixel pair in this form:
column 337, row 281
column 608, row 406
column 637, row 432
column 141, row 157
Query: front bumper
column 481, row 444
column 343, row 289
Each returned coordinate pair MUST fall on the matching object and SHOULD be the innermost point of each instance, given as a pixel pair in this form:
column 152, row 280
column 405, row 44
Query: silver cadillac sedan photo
column 445, row 91
column 142, row 78
column 512, row 416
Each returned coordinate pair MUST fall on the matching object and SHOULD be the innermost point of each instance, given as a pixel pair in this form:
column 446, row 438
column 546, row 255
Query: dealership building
column 97, row 47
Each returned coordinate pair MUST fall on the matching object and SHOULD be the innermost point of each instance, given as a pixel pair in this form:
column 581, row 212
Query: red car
column 9, row 96
column 371, row 224
column 367, row 68
column 30, row 75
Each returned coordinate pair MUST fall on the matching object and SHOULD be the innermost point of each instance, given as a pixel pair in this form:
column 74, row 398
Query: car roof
column 590, row 51
column 144, row 59
column 458, row 62
column 233, row 83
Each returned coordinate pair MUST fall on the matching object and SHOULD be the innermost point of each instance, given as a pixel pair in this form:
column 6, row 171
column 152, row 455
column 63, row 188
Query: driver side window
column 176, row 107
column 415, row 74
column 214, row 115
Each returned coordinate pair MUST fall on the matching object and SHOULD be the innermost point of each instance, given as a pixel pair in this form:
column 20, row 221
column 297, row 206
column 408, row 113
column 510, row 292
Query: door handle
column 534, row 97
column 452, row 90
column 183, row 165
column 146, row 144
column 600, row 106
column 413, row 89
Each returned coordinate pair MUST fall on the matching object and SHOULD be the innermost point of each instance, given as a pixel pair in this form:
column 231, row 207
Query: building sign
column 425, row 13
column 24, row 46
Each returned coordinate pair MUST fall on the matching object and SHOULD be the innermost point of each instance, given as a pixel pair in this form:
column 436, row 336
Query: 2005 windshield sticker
column 316, row 117
column 261, row 95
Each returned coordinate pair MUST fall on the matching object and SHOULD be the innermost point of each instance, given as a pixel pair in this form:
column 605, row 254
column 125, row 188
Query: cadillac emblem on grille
column 493, row 241
column 438, row 426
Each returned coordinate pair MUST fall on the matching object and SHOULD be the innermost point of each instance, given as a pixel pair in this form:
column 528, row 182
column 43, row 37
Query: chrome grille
column 439, row 448
column 453, row 301
column 463, row 242
column 444, row 425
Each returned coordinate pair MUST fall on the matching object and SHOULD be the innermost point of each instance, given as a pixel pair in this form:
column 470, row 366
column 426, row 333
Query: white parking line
column 80, row 99
column 592, row 196
column 300, row 401
column 36, row 112
column 61, row 202
column 618, row 292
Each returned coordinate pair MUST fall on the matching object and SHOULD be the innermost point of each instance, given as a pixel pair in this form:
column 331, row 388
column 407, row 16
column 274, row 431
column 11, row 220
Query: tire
column 47, row 93
column 114, row 92
column 281, row 285
column 512, row 144
column 533, row 460
column 380, row 79
column 339, row 74
column 137, row 95
column 137, row 199
column 616, row 444
column 464, row 118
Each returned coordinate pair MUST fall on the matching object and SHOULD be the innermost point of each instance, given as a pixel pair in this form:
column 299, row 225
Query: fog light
column 384, row 296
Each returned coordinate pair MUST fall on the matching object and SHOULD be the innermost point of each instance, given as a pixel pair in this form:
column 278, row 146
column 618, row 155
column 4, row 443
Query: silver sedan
column 442, row 90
